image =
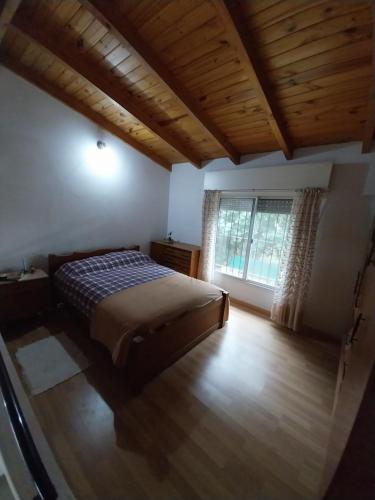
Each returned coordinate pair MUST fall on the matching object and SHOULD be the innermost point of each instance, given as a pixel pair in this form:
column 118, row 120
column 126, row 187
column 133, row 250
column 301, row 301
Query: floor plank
column 245, row 414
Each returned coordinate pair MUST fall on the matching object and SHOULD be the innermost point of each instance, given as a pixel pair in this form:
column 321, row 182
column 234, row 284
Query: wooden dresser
column 181, row 257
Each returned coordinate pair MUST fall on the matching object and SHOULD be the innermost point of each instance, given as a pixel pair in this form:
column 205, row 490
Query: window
column 233, row 234
column 250, row 237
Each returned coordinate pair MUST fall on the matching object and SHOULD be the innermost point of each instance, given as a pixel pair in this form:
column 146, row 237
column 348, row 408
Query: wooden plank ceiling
column 193, row 80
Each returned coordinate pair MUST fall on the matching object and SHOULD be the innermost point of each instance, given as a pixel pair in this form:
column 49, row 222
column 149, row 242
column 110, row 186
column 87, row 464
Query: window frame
column 253, row 195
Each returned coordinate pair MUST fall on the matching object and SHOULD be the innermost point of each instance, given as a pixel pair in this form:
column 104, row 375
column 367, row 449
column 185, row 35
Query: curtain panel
column 297, row 260
column 211, row 204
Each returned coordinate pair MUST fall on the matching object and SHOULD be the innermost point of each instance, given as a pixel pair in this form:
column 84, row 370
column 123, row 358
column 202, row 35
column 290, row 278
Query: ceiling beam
column 369, row 128
column 78, row 106
column 122, row 29
column 7, row 11
column 230, row 12
column 75, row 61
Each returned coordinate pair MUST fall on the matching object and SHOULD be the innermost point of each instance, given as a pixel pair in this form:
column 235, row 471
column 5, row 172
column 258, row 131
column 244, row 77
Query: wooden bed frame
column 156, row 352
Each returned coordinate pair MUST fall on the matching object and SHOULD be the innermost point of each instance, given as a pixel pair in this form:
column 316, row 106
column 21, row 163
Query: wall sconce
column 101, row 159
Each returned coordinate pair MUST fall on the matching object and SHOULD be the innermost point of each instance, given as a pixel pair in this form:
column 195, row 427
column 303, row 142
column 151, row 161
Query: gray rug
column 49, row 362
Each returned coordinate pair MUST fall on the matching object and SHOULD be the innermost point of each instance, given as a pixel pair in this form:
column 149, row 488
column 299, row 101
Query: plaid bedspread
column 86, row 282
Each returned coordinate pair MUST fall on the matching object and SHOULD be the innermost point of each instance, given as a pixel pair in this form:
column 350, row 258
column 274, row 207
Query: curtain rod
column 247, row 190
column 257, row 190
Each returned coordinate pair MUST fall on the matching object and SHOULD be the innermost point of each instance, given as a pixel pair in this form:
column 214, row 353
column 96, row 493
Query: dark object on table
column 13, row 276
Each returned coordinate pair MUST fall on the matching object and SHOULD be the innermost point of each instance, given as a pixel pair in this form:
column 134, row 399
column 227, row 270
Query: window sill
column 270, row 288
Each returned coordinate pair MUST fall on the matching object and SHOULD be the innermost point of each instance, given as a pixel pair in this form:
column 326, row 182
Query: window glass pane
column 233, row 235
column 270, row 225
column 274, row 206
column 237, row 204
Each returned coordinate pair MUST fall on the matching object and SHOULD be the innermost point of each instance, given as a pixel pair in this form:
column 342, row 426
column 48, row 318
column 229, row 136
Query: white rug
column 49, row 362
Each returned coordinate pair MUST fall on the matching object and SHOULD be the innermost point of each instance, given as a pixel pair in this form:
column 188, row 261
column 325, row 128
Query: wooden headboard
column 56, row 261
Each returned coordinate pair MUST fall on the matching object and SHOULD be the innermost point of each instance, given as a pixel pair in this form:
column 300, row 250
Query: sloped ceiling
column 196, row 80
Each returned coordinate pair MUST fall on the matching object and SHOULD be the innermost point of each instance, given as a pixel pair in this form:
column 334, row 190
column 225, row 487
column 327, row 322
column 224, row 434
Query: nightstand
column 25, row 297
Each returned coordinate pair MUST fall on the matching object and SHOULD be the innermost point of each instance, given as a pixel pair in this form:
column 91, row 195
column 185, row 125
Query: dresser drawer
column 19, row 287
column 176, row 253
column 174, row 263
column 181, row 268
column 22, row 306
column 175, row 259
column 179, row 257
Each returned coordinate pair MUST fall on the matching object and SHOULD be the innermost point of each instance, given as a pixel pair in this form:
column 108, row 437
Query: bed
column 146, row 315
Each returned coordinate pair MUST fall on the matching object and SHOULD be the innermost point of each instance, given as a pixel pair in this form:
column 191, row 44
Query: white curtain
column 211, row 204
column 297, row 259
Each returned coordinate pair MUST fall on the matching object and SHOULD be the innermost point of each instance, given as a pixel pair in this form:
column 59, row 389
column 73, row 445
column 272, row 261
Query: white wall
column 340, row 248
column 185, row 203
column 51, row 197
column 284, row 177
column 342, row 235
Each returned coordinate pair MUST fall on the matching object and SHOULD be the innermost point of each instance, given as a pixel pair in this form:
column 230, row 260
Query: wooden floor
column 243, row 415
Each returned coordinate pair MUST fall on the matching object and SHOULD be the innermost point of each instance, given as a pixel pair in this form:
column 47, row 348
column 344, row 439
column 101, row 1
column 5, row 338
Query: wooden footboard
column 158, row 351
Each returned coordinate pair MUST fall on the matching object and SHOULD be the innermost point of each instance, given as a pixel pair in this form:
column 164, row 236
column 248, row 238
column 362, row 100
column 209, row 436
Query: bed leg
column 224, row 309
column 134, row 378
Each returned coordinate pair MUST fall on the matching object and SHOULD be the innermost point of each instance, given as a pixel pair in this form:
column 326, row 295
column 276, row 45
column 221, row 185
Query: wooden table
column 25, row 297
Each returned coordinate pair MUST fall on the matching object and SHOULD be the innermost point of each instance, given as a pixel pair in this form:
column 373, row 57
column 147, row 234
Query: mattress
column 84, row 283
